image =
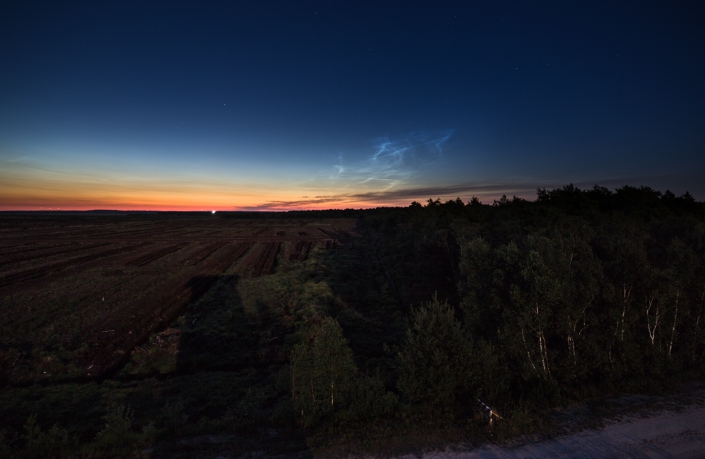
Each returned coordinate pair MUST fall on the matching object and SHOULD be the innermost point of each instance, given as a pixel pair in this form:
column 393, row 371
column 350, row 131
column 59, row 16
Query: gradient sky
column 285, row 105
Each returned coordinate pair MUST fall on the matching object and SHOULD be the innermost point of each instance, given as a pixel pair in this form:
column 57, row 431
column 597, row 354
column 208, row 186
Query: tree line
column 522, row 304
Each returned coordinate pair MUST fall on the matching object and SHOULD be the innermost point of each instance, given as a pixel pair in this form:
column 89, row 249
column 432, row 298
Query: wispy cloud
column 392, row 162
column 389, row 167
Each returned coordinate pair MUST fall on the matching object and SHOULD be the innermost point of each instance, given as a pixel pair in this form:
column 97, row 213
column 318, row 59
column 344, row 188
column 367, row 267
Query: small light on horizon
column 213, row 211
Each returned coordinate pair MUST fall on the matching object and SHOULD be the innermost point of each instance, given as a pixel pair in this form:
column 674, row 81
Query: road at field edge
column 664, row 434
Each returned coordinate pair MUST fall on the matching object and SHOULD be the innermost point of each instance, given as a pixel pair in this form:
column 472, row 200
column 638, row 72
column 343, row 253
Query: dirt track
column 664, row 434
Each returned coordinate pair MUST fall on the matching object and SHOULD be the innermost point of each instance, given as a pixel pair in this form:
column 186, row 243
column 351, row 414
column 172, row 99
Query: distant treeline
column 329, row 213
column 531, row 304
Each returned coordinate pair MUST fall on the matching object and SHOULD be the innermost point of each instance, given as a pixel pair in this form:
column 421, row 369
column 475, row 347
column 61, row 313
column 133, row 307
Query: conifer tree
column 435, row 362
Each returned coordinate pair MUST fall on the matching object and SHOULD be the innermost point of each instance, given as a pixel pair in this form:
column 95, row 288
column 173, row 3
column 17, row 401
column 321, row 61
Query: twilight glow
column 263, row 107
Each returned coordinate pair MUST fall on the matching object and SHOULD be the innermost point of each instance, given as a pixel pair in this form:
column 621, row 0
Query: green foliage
column 149, row 431
column 4, row 446
column 436, row 361
column 584, row 302
column 54, row 443
column 323, row 372
column 248, row 410
column 117, row 437
column 575, row 294
column 173, row 415
column 118, row 420
column 371, row 400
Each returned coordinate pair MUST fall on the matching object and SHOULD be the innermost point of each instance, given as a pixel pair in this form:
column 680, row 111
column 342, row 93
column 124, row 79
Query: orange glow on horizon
column 24, row 189
column 164, row 201
column 259, row 207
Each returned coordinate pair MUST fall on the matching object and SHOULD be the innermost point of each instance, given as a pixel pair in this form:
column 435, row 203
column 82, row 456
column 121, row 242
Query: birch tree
column 323, row 372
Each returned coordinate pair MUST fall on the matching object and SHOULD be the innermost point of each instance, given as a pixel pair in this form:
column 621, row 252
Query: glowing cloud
column 393, row 162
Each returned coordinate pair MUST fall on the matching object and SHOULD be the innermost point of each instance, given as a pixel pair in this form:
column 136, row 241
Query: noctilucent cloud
column 314, row 105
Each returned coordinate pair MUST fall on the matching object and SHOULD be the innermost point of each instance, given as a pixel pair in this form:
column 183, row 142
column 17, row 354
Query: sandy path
column 666, row 434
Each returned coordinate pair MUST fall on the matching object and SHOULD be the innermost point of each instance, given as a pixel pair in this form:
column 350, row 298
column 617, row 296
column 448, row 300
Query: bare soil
column 79, row 294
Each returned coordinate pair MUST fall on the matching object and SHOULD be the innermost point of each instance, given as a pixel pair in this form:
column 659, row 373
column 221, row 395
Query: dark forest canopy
column 579, row 292
column 632, row 201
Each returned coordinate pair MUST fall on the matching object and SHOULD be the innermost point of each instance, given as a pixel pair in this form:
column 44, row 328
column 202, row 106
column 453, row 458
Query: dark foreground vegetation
column 383, row 337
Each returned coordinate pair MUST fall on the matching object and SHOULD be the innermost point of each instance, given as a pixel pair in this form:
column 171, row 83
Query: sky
column 283, row 105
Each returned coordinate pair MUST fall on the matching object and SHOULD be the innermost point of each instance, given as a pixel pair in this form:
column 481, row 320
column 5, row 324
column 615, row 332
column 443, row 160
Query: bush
column 54, row 443
column 371, row 400
column 116, row 439
column 118, row 420
column 174, row 416
column 249, row 410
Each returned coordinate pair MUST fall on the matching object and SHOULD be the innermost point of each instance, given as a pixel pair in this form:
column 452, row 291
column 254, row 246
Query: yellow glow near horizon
column 23, row 191
column 34, row 186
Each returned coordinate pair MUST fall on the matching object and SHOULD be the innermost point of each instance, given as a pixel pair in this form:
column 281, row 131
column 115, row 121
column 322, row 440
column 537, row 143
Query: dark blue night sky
column 282, row 105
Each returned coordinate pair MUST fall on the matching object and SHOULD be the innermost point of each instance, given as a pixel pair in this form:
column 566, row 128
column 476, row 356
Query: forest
column 521, row 306
column 405, row 327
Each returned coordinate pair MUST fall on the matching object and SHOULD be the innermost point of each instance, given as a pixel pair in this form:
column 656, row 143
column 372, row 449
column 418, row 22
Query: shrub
column 174, row 415
column 371, row 400
column 116, row 439
column 249, row 409
column 118, row 420
column 54, row 443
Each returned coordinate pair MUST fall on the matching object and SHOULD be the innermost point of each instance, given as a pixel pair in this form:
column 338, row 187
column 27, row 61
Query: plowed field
column 79, row 293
